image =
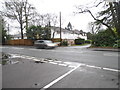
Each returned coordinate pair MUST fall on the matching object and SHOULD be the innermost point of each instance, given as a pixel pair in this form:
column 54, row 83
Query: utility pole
column 60, row 30
column 2, row 24
column 8, row 29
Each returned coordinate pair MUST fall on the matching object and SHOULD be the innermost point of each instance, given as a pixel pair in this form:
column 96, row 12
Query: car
column 44, row 44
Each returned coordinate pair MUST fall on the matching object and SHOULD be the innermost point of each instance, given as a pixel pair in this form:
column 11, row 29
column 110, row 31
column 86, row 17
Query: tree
column 3, row 37
column 93, row 27
column 110, row 14
column 103, row 39
column 38, row 32
column 18, row 10
column 29, row 11
column 69, row 26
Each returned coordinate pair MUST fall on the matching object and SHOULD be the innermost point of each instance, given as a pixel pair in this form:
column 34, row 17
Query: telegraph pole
column 60, row 30
column 8, row 29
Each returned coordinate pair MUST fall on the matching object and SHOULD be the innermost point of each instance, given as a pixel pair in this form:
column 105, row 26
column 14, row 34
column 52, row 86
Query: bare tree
column 29, row 10
column 94, row 28
column 18, row 10
column 106, row 17
column 54, row 21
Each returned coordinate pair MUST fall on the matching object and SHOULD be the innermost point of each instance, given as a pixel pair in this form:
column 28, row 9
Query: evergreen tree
column 69, row 26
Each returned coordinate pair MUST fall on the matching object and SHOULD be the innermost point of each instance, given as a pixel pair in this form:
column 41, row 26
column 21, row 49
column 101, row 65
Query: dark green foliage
column 38, row 32
column 88, row 41
column 103, row 39
column 79, row 41
column 64, row 43
column 117, row 44
column 69, row 26
column 3, row 33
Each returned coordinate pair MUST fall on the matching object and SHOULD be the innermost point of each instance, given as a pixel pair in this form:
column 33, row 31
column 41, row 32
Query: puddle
column 9, row 59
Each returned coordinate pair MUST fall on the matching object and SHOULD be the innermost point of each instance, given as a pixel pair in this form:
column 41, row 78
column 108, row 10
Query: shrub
column 79, row 41
column 103, row 39
column 88, row 41
column 64, row 43
column 117, row 44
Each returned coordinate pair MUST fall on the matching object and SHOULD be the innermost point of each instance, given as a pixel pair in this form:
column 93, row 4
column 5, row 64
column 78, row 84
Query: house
column 69, row 35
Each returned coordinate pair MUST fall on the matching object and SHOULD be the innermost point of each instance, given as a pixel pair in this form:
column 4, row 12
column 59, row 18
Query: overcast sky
column 66, row 7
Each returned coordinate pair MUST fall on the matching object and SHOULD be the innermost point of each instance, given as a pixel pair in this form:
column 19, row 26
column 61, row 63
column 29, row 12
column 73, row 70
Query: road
column 70, row 67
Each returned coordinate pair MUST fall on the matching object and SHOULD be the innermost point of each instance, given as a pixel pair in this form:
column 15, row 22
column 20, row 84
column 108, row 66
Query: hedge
column 79, row 41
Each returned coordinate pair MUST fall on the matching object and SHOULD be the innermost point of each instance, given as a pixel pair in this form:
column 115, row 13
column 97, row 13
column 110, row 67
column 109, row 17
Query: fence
column 26, row 42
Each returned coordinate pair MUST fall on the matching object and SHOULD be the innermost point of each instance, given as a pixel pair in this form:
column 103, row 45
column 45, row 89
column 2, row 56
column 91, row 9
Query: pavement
column 105, row 49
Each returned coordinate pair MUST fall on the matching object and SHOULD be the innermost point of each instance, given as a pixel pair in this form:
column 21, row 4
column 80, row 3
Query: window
column 40, row 41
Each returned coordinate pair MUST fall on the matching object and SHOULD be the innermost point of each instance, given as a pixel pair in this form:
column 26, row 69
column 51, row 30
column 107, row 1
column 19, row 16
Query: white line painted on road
column 93, row 66
column 52, row 62
column 62, row 64
column 59, row 78
column 111, row 69
column 58, row 61
column 67, row 62
column 36, row 60
column 72, row 66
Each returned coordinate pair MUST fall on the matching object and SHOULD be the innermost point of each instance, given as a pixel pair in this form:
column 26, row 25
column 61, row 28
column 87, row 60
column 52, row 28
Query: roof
column 57, row 29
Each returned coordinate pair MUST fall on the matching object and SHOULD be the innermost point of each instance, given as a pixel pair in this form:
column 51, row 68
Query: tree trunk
column 21, row 27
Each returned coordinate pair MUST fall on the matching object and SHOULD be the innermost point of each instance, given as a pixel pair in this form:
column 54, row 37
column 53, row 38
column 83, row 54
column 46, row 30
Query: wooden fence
column 26, row 42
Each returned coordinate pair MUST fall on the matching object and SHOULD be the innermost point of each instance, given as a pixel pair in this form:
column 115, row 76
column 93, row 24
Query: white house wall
column 67, row 35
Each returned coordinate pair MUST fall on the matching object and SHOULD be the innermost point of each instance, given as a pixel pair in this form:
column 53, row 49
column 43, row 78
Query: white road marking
column 69, row 64
column 58, row 61
column 31, row 58
column 52, row 62
column 16, row 56
column 36, row 60
column 15, row 62
column 90, row 66
column 94, row 66
column 59, row 78
column 109, row 69
column 72, row 66
column 62, row 64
